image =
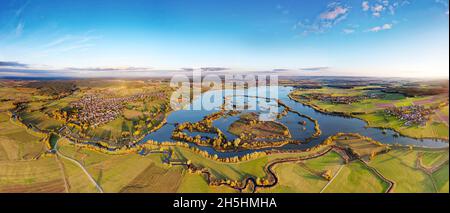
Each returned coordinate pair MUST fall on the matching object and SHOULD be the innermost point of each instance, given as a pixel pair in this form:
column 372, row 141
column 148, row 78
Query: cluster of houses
column 336, row 99
column 411, row 115
column 98, row 109
column 340, row 99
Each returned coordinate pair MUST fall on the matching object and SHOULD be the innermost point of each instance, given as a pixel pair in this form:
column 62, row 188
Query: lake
column 329, row 124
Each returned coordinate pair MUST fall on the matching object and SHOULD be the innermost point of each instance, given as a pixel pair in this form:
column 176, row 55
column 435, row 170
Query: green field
column 112, row 172
column 77, row 180
column 233, row 171
column 41, row 121
column 17, row 142
column 400, row 166
column 432, row 129
column 305, row 177
column 156, row 178
column 356, row 178
column 441, row 179
column 195, row 183
column 43, row 175
column 111, row 130
column 431, row 159
column 363, row 148
column 219, row 170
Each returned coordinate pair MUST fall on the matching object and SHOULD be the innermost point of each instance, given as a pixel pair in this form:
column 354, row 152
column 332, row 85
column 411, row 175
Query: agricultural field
column 400, row 165
column 138, row 109
column 306, row 176
column 83, row 136
column 440, row 178
column 128, row 109
column 195, row 183
column 363, row 148
column 156, row 178
column 356, row 178
column 43, row 175
column 370, row 104
column 111, row 172
column 17, row 142
column 41, row 121
column 231, row 96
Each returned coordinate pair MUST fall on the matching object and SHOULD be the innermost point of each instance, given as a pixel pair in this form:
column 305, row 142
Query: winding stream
column 329, row 124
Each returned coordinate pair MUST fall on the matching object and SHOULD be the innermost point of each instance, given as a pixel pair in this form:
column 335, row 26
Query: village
column 98, row 109
column 338, row 99
column 411, row 115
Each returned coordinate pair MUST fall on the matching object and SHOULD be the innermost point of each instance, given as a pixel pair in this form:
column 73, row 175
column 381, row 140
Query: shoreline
column 239, row 152
column 368, row 125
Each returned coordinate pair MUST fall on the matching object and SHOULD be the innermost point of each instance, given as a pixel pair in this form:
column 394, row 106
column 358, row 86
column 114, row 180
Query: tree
column 372, row 155
column 327, row 175
column 237, row 142
column 258, row 181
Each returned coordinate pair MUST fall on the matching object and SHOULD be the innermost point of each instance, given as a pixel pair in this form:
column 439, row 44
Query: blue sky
column 402, row 38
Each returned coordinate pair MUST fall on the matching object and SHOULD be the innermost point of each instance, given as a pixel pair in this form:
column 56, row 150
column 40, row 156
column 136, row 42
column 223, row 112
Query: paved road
column 99, row 188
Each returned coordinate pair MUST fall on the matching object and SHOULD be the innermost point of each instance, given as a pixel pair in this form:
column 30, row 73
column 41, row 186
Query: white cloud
column 334, row 13
column 365, row 6
column 381, row 28
column 377, row 9
column 382, row 6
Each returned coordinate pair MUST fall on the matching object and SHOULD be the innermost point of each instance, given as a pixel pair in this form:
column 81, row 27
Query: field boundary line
column 429, row 171
column 381, row 176
column 329, row 182
column 63, row 173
